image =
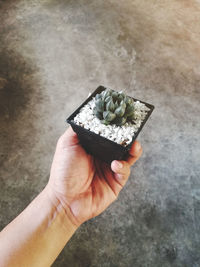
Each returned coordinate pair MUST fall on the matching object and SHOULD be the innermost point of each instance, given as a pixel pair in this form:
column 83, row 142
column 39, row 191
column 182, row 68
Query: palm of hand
column 85, row 185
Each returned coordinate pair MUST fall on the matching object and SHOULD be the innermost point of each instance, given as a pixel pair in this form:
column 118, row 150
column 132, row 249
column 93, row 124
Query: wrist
column 63, row 211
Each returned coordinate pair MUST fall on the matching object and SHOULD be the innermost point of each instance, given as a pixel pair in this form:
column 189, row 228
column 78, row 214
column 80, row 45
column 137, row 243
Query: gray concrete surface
column 52, row 54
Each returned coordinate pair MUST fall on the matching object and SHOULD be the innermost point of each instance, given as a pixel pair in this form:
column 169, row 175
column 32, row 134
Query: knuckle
column 61, row 141
column 115, row 197
column 140, row 152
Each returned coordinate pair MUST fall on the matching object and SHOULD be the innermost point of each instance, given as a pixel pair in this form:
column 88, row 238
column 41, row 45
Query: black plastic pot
column 99, row 146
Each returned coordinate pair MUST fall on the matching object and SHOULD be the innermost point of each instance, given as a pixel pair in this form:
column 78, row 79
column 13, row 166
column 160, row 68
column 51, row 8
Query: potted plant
column 108, row 122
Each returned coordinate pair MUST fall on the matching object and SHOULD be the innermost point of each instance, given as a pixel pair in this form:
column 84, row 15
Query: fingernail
column 119, row 164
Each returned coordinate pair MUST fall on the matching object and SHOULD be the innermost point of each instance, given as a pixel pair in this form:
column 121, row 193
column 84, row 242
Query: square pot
column 99, row 146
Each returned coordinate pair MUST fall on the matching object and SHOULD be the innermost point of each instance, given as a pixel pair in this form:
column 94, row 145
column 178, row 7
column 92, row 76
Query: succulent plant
column 112, row 107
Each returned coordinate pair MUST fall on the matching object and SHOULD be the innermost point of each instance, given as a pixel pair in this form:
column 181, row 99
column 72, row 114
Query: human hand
column 84, row 185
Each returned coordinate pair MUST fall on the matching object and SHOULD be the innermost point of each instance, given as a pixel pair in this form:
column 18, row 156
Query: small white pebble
column 115, row 133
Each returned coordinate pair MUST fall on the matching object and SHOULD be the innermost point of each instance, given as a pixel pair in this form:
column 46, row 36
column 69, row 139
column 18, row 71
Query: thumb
column 121, row 171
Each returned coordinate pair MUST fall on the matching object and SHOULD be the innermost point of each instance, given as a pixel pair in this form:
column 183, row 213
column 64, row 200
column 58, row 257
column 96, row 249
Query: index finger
column 134, row 153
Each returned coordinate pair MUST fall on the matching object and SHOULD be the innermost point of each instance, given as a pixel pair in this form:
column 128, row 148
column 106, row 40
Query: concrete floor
column 52, row 54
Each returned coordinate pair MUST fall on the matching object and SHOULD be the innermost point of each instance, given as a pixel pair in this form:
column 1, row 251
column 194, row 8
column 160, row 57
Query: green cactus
column 112, row 107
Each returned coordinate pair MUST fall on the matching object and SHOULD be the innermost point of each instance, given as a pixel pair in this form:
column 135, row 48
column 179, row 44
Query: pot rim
column 97, row 91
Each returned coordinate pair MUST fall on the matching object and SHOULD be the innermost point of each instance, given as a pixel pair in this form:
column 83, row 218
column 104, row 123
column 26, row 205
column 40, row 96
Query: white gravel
column 120, row 134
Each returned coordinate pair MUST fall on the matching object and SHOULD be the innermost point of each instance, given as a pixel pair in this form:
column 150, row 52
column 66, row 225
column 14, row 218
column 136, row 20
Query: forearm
column 37, row 235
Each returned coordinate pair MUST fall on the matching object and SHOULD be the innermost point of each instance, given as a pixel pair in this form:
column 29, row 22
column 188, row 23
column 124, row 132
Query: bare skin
column 80, row 187
column 89, row 186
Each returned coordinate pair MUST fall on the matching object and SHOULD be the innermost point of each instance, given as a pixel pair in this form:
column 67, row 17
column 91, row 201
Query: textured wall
column 52, row 54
